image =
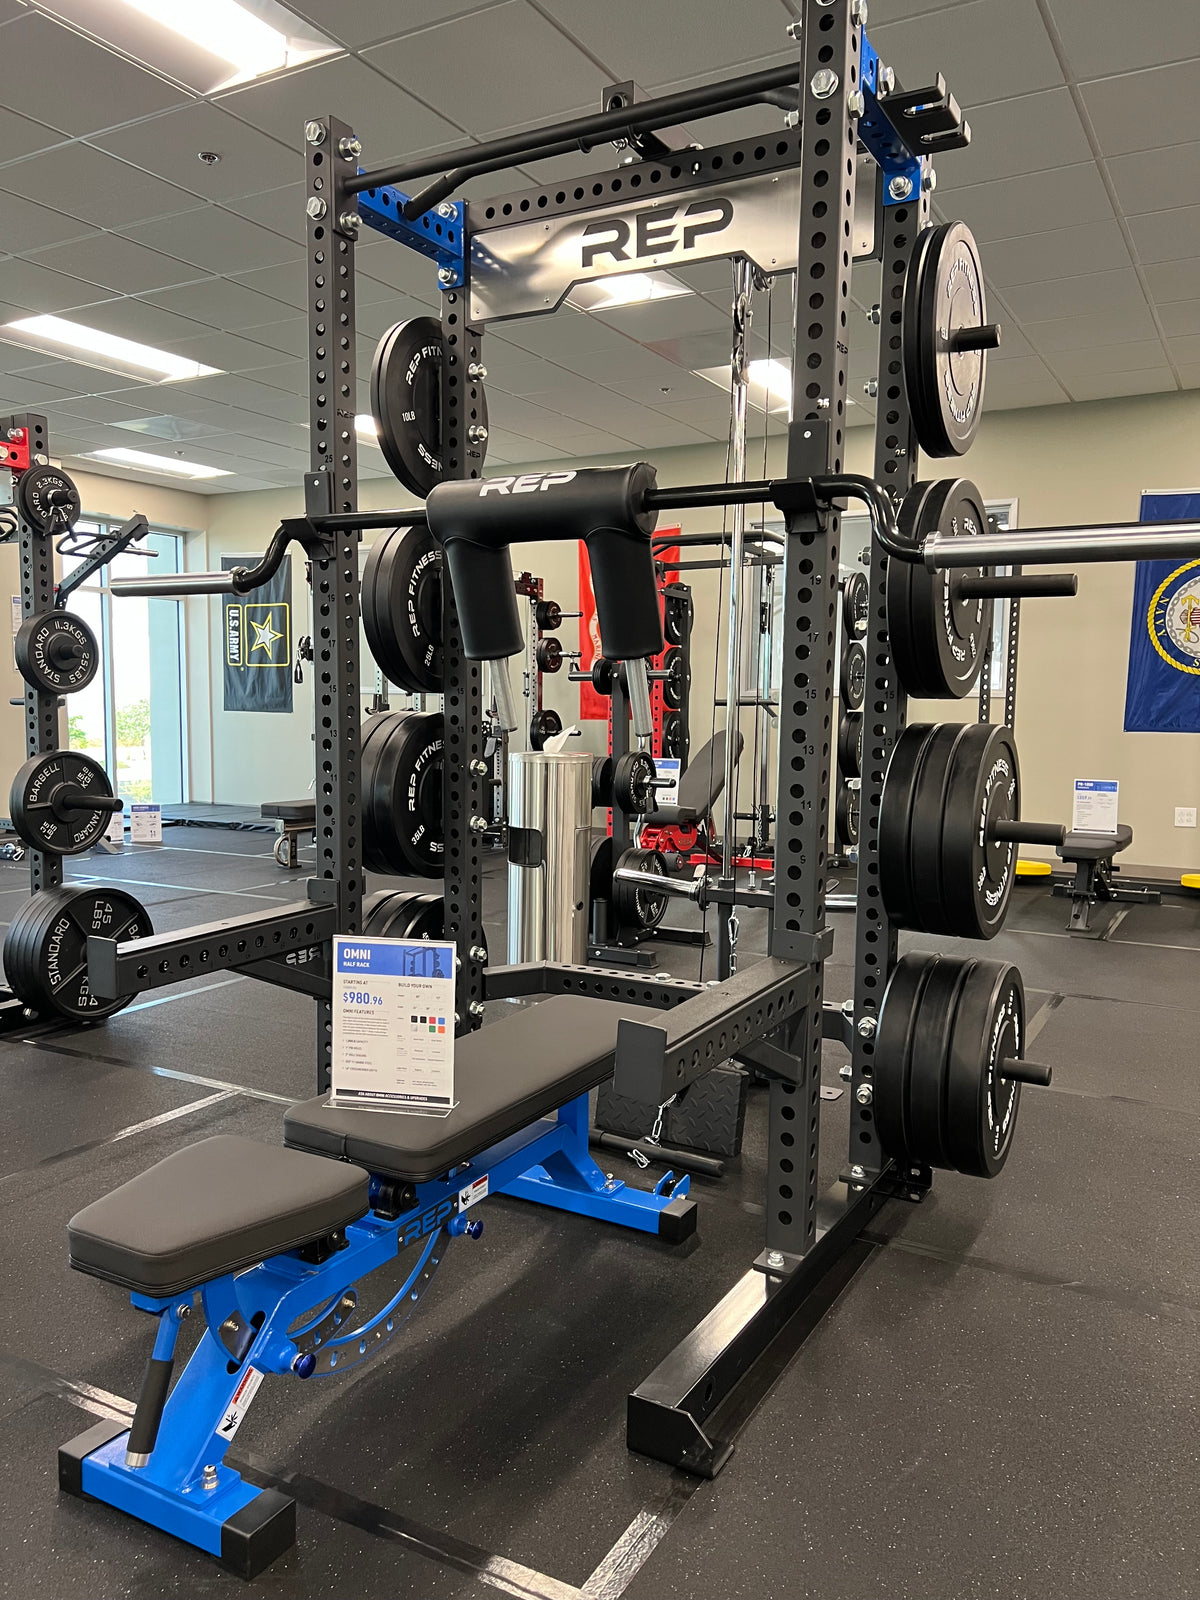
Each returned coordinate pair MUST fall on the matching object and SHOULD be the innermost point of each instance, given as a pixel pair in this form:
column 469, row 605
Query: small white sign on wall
column 145, row 823
column 1095, row 805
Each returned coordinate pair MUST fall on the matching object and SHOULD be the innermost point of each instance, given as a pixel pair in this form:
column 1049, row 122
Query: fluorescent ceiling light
column 56, row 336
column 769, row 387
column 632, row 289
column 205, row 44
column 147, row 462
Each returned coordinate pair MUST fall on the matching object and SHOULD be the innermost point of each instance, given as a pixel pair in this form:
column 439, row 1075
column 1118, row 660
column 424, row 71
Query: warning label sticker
column 243, row 1395
column 473, row 1193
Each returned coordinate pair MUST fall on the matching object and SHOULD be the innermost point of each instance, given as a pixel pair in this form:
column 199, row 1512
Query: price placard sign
column 393, row 1024
column 667, row 767
column 1095, row 805
column 145, row 824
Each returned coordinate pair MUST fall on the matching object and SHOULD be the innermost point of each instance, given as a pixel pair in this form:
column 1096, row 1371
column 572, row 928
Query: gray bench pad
column 1096, row 846
column 211, row 1208
column 505, row 1077
column 304, row 811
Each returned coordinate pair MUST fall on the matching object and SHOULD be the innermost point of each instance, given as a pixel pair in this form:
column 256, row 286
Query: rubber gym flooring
column 1003, row 1403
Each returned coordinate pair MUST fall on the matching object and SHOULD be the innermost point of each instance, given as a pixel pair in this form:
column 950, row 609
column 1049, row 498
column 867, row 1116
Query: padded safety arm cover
column 476, row 519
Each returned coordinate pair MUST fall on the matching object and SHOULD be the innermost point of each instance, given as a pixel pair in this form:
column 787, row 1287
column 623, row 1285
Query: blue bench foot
column 243, row 1527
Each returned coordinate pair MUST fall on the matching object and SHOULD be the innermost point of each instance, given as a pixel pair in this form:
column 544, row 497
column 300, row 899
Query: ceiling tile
column 390, row 122
column 169, row 145
column 986, row 50
column 37, row 288
column 1009, row 208
column 281, row 210
column 652, row 41
column 1032, row 133
column 1185, row 349
column 1114, row 385
column 1139, row 356
column 103, row 88
column 1167, row 235
column 130, row 318
column 283, row 372
column 513, row 32
column 1183, row 316
column 289, row 337
column 26, row 226
column 1061, row 253
column 1157, row 180
column 229, row 389
column 389, row 263
column 1190, row 376
column 358, row 22
column 1021, row 383
column 88, row 183
column 218, row 302
column 27, row 394
column 71, row 376
column 1100, row 36
column 288, row 282
column 117, row 265
column 228, row 352
column 213, row 239
column 1119, row 325
column 1173, row 280
column 1095, row 292
column 22, row 136
column 1145, row 110
column 667, row 319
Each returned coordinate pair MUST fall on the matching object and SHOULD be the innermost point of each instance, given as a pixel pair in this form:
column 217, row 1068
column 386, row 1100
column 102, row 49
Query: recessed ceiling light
column 769, row 388
column 633, row 289
column 223, row 42
column 146, row 462
column 94, row 348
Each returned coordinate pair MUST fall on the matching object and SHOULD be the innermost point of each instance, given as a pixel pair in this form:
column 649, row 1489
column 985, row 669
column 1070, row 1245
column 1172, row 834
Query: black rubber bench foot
column 71, row 1456
column 677, row 1220
column 254, row 1536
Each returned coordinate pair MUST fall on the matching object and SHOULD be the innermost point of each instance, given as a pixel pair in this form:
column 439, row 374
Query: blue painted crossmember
column 438, row 234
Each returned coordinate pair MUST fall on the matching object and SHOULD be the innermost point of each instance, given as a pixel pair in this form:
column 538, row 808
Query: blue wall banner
column 1162, row 694
column 257, row 641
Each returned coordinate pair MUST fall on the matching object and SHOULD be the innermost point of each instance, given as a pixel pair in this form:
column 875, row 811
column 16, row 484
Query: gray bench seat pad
column 291, row 810
column 1096, row 846
column 505, row 1077
column 212, row 1207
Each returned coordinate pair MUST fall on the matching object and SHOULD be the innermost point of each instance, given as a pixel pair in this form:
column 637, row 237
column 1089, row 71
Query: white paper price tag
column 145, row 824
column 666, row 767
column 393, row 1024
column 1095, row 807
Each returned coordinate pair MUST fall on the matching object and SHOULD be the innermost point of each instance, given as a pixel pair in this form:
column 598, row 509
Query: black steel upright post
column 464, row 790
column 885, row 706
column 37, row 595
column 830, row 48
column 331, row 151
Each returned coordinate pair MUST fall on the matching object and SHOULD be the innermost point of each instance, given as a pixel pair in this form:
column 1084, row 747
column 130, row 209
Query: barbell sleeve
column 1022, row 586
column 502, row 693
column 986, row 337
column 1017, row 831
column 1025, row 1072
column 638, row 689
column 679, row 888
column 174, row 585
column 70, row 797
column 1118, row 541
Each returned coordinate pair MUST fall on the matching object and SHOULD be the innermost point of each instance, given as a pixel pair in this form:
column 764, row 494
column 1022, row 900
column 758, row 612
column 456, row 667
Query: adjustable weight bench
column 293, row 820
column 276, row 1242
column 1092, row 854
column 679, row 826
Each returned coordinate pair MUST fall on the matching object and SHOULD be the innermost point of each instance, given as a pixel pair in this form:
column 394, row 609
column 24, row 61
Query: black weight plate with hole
column 549, row 655
column 634, row 906
column 674, row 736
column 402, row 795
column 43, row 814
column 543, row 725
column 600, row 872
column 925, row 830
column 633, row 783
column 895, row 821
column 56, row 652
column 853, row 680
column 856, row 605
column 548, row 615
column 48, row 499
column 938, row 639
column 926, row 1113
column 45, row 949
column 602, row 780
column 402, row 608
column 602, row 675
column 406, row 402
column 678, row 616
column 892, row 1059
column 845, row 815
column 942, row 298
column 981, row 1106
column 902, row 642
column 675, row 686
column 982, row 787
column 850, row 744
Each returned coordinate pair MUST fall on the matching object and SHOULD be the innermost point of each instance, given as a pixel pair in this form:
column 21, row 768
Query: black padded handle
column 153, row 1397
column 475, row 521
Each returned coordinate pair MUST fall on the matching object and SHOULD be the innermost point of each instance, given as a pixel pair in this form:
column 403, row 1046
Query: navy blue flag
column 1162, row 694
column 257, row 631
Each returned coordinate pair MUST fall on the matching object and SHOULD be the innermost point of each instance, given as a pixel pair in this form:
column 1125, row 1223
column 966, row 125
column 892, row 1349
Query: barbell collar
column 1025, row 1072
column 1023, row 586
column 1017, row 831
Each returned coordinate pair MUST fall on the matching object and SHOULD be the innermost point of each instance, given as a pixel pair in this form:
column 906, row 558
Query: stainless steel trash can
column 549, row 851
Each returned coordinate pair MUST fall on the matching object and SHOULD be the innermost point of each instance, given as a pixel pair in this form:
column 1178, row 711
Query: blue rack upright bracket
column 437, row 234
column 892, row 155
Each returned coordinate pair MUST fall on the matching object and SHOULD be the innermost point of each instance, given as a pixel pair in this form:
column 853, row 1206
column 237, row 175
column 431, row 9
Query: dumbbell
column 600, row 675
column 549, row 615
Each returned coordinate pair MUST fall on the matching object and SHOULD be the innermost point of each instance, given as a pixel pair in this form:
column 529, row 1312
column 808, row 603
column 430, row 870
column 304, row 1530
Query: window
column 130, row 717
